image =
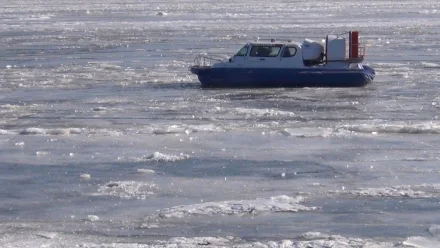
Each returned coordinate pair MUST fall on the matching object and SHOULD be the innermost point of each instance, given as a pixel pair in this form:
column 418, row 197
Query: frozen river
column 106, row 139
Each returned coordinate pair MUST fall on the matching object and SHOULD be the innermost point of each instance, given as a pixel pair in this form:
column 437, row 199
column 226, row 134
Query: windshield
column 242, row 51
column 265, row 51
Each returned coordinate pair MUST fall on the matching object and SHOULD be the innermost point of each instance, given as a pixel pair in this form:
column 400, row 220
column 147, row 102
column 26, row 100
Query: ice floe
column 67, row 131
column 168, row 130
column 431, row 127
column 263, row 112
column 85, row 176
column 97, row 109
column 362, row 129
column 6, row 132
column 204, row 128
column 421, row 242
column 267, row 113
column 181, row 129
column 21, row 143
column 415, row 128
column 161, row 13
column 161, row 157
column 47, row 235
column 307, row 240
column 435, row 230
column 56, row 131
column 307, row 132
column 42, row 153
column 145, row 171
column 201, row 241
column 319, row 240
column 281, row 203
column 410, row 191
column 128, row 189
column 92, row 218
column 425, row 64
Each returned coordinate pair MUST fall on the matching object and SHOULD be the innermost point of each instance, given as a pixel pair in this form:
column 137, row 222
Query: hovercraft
column 286, row 63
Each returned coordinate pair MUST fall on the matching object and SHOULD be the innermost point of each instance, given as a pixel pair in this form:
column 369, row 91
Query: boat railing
column 362, row 51
column 266, row 39
column 202, row 60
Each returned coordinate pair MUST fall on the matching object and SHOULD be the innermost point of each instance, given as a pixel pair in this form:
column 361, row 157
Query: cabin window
column 265, row 51
column 242, row 51
column 289, row 52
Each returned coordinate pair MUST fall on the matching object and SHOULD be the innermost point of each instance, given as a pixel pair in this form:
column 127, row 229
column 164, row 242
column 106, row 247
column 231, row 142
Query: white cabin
column 275, row 54
column 290, row 54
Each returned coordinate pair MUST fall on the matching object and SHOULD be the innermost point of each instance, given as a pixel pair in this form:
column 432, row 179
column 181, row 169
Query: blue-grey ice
column 107, row 140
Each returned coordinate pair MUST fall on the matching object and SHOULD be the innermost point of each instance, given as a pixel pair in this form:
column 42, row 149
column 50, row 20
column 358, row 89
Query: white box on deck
column 335, row 48
column 311, row 50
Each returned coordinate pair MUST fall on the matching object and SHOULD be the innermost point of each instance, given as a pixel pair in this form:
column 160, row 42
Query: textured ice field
column 106, row 139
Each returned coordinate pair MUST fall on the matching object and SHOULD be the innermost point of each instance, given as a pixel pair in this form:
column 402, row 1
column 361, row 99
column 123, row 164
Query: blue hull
column 270, row 78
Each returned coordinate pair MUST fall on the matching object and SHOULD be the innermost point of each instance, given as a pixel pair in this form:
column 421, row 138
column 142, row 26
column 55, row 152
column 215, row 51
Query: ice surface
column 108, row 82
